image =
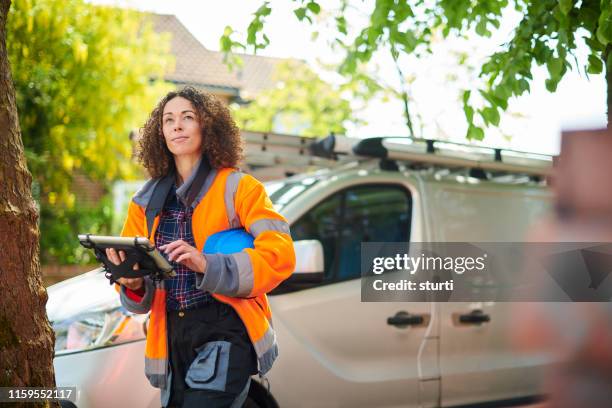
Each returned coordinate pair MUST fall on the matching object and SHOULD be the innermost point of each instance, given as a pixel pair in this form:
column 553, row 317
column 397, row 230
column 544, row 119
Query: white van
column 334, row 349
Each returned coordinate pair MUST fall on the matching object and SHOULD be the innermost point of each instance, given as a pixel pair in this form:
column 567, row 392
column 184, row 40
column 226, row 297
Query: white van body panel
column 478, row 362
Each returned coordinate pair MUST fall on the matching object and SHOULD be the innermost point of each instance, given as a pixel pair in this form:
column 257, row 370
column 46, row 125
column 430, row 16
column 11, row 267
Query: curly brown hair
column 221, row 141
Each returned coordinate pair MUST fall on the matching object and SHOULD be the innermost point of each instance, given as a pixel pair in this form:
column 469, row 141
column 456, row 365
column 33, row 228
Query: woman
column 209, row 328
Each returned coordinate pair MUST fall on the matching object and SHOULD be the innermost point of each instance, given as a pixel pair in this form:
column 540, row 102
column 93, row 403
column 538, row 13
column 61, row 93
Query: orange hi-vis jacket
column 227, row 199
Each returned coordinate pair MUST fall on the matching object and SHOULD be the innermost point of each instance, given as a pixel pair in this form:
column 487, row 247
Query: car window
column 341, row 222
column 371, row 214
column 322, row 223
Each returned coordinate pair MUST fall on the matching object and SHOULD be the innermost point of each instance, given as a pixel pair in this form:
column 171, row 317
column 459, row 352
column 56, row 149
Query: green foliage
column 300, row 103
column 84, row 78
column 60, row 225
column 546, row 35
column 256, row 27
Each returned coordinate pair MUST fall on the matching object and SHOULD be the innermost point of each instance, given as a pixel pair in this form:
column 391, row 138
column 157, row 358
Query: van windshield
column 282, row 192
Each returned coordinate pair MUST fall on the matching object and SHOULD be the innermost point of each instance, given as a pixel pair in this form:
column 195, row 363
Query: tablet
column 153, row 261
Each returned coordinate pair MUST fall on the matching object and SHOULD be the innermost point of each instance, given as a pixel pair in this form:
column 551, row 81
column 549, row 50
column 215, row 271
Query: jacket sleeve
column 133, row 226
column 139, row 307
column 134, row 222
column 252, row 272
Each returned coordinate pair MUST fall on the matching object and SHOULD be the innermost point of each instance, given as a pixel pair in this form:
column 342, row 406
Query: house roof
column 198, row 66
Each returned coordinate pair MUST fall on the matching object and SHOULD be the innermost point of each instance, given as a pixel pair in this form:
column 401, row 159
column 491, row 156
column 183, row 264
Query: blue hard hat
column 228, row 241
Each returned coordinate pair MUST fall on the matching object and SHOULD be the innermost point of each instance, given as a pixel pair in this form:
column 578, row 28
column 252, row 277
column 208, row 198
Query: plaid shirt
column 175, row 224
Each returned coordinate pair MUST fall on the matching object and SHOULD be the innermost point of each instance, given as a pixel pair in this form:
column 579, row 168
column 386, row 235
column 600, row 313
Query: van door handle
column 403, row 319
column 474, row 317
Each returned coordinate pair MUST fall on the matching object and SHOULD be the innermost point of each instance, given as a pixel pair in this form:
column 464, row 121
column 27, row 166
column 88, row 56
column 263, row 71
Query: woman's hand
column 116, row 258
column 183, row 253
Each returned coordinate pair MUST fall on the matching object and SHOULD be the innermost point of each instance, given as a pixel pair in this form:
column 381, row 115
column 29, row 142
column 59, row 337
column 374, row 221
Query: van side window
column 367, row 213
column 321, row 223
column 371, row 214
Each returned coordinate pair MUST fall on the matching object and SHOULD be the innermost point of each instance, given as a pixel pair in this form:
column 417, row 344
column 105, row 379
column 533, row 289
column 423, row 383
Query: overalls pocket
column 208, row 371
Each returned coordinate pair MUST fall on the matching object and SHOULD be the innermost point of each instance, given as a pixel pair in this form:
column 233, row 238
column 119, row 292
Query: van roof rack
column 273, row 149
column 437, row 153
column 300, row 153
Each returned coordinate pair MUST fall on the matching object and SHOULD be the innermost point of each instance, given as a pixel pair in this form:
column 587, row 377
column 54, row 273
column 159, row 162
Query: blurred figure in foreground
column 577, row 335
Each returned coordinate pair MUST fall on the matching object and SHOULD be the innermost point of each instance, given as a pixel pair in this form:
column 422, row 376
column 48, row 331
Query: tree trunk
column 26, row 339
column 608, row 69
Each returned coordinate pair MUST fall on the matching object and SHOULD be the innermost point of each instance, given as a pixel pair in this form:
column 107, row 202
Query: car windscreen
column 282, row 192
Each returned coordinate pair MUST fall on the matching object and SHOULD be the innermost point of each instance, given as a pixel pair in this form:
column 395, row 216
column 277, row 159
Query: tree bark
column 26, row 338
column 608, row 82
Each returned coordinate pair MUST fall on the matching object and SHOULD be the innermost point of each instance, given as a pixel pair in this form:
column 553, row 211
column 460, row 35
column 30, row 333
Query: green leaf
column 300, row 13
column 497, row 96
column 604, row 31
column 490, row 115
column 566, row 6
column 555, row 66
column 341, row 25
column 264, row 10
column 314, row 7
column 475, row 133
column 595, row 65
column 523, row 85
column 502, row 93
column 481, row 28
column 469, row 113
column 551, row 85
column 252, row 33
column 466, row 96
column 225, row 43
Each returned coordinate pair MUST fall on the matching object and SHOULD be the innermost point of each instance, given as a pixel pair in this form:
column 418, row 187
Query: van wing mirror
column 309, row 267
column 308, row 257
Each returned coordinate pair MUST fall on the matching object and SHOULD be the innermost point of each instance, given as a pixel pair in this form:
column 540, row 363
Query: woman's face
column 182, row 131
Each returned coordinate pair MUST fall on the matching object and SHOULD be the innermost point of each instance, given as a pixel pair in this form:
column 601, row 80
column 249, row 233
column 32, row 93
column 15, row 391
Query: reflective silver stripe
column 155, row 365
column 268, row 224
column 231, row 186
column 267, row 359
column 155, row 371
column 266, row 350
column 245, row 273
column 266, row 342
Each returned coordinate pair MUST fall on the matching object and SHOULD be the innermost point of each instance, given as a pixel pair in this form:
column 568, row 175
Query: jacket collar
column 190, row 190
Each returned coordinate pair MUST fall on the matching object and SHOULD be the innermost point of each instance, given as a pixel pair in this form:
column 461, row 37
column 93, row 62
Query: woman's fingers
column 112, row 256
column 131, row 283
column 194, row 260
column 184, row 257
column 179, row 250
column 172, row 245
column 117, row 257
column 123, row 256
